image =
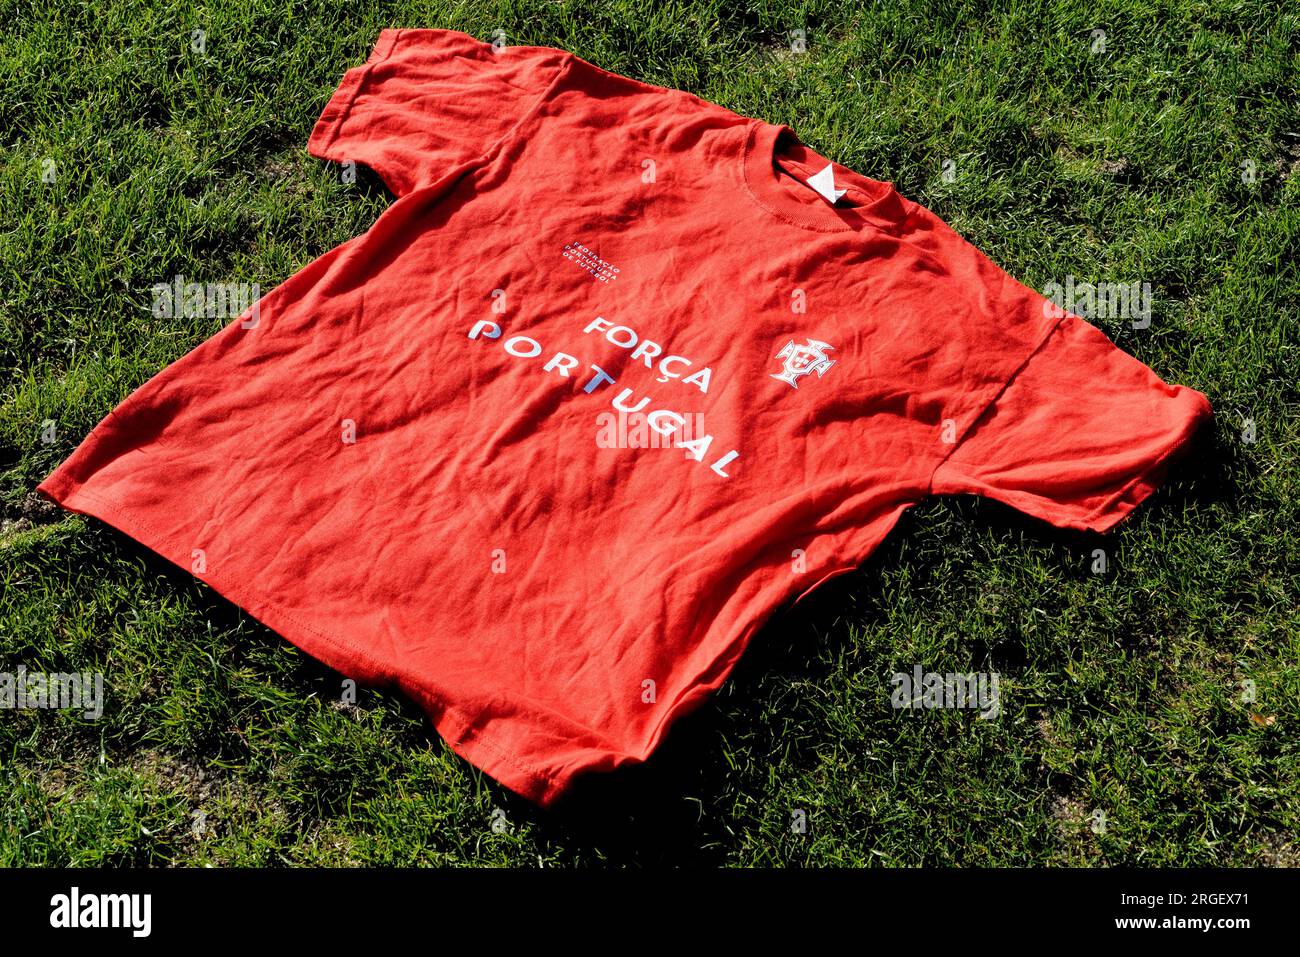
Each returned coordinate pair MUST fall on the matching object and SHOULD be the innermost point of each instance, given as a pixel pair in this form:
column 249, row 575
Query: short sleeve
column 1079, row 436
column 428, row 101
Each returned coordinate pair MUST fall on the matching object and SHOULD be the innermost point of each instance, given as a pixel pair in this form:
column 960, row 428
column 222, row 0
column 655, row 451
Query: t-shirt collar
column 786, row 195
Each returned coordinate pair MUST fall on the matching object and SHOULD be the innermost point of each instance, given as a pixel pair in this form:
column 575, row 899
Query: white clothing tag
column 824, row 183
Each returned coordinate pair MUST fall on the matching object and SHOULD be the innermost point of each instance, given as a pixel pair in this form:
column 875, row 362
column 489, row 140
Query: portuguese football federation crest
column 798, row 361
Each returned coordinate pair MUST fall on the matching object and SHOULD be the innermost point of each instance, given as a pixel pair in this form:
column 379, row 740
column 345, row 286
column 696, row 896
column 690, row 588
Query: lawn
column 1150, row 710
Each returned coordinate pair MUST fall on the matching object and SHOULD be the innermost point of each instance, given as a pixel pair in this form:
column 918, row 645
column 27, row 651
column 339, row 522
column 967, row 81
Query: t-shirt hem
column 536, row 784
column 1122, row 504
column 329, row 125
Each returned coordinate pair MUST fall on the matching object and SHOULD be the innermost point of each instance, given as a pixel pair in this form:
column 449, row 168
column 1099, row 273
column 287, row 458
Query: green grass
column 222, row 744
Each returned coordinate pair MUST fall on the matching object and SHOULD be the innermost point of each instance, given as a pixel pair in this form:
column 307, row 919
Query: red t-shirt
column 606, row 385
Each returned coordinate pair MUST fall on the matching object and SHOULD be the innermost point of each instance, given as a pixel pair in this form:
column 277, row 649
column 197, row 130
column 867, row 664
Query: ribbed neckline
column 874, row 203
